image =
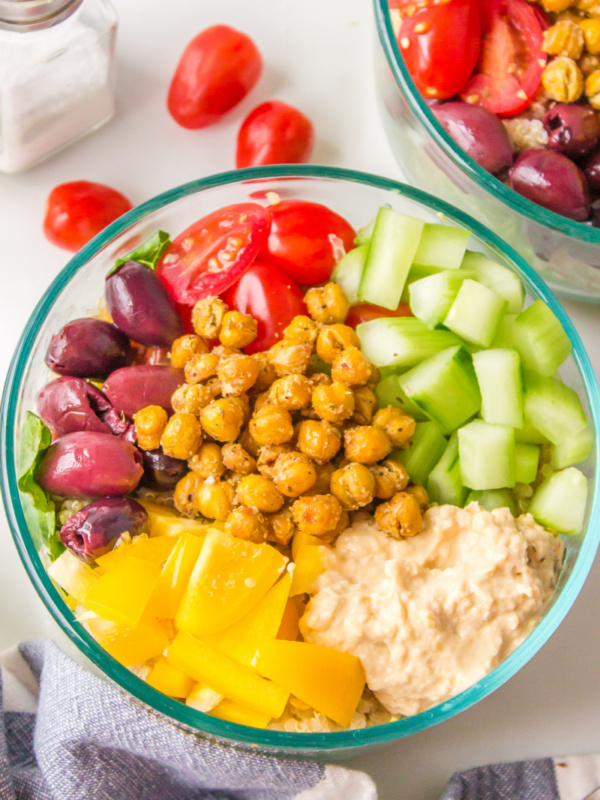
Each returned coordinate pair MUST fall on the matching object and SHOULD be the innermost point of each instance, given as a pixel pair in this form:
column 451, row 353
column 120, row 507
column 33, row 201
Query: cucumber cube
column 476, row 313
column 442, row 246
column 499, row 377
column 527, row 459
column 492, row 499
column 573, row 450
column 559, row 502
column 541, row 340
column 427, row 447
column 390, row 393
column 430, row 298
column 551, row 407
column 401, row 341
column 363, row 235
column 505, row 338
column 497, row 278
column 416, row 272
column 392, row 248
column 528, row 434
column 444, row 387
column 445, row 484
column 348, row 272
column 487, row 455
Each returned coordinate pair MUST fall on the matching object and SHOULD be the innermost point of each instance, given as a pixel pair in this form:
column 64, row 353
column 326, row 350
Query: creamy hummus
column 431, row 615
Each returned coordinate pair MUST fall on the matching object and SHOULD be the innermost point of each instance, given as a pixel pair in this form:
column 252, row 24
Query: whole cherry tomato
column 217, row 70
column 210, row 255
column 271, row 297
column 77, row 211
column 440, row 44
column 363, row 312
column 274, row 133
column 306, row 240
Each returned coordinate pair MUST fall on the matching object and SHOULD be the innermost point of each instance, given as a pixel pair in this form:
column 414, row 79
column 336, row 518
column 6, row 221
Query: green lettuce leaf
column 147, row 253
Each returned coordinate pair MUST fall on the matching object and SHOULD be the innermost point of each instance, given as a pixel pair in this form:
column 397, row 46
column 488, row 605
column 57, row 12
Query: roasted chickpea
column 237, row 459
column 184, row 495
column 261, row 400
column 149, row 424
column 281, row 527
column 214, row 386
column 320, row 379
column 214, row 499
column 302, row 330
column 400, row 517
column 249, row 443
column 182, row 436
column 327, row 304
column 237, row 329
column 294, row 473
column 353, row 485
column 201, row 367
column 343, row 523
column 266, row 372
column 292, row 392
column 319, row 440
column 190, row 399
column 399, row 426
column 207, row 317
column 289, row 357
column 247, row 523
column 366, row 444
column 237, row 374
column 316, row 514
column 390, row 477
column 221, row 350
column 334, row 339
column 365, row 403
column 243, row 402
column 268, row 456
column 322, row 485
column 185, row 347
column 351, row 366
column 259, row 492
column 222, row 419
column 271, row 425
column 333, row 402
column 207, row 462
column 420, row 495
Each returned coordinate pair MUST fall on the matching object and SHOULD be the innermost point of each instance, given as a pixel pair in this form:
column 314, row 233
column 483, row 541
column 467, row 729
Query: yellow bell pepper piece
column 233, row 712
column 309, row 565
column 121, row 595
column 129, row 645
column 242, row 639
column 157, row 549
column 301, row 539
column 175, row 575
column 289, row 622
column 168, row 679
column 229, row 578
column 228, row 677
column 73, row 575
column 330, row 681
column 165, row 521
column 203, row 698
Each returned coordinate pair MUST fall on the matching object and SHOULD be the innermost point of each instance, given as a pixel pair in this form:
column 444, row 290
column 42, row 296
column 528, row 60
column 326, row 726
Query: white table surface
column 318, row 55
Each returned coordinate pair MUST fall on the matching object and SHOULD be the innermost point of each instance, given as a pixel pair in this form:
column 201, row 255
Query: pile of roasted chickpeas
column 275, row 446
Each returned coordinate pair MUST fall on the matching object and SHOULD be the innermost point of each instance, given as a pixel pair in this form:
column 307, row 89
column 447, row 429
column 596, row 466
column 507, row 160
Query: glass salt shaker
column 57, row 75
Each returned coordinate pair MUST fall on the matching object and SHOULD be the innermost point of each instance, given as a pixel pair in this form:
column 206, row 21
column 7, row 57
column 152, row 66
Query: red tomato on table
column 77, row 211
column 214, row 252
column 271, row 297
column 363, row 312
column 274, row 133
column 217, row 69
column 306, row 240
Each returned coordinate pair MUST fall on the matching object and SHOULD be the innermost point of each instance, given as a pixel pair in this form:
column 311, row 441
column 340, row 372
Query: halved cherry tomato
column 217, row 70
column 363, row 312
column 511, row 63
column 214, row 252
column 306, row 240
column 271, row 297
column 440, row 45
column 274, row 133
column 77, row 211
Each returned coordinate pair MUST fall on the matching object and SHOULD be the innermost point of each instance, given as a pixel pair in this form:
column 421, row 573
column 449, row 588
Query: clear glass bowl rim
column 515, row 201
column 279, row 740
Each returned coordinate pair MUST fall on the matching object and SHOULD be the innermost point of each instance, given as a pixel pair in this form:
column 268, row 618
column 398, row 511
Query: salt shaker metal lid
column 28, row 15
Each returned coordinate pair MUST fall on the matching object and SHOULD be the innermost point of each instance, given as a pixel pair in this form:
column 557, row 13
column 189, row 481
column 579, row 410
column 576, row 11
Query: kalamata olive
column 591, row 170
column 132, row 388
column 162, row 472
column 90, row 464
column 479, row 132
column 72, row 404
column 553, row 181
column 152, row 355
column 572, row 129
column 141, row 307
column 93, row 530
column 88, row 348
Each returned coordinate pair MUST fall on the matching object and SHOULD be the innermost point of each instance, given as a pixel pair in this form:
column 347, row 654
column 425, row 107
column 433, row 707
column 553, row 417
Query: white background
column 318, row 55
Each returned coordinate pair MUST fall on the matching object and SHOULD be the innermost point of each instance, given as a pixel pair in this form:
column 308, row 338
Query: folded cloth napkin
column 67, row 735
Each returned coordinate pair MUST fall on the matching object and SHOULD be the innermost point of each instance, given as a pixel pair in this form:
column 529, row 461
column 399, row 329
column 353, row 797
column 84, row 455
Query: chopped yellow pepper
column 73, row 575
column 301, row 539
column 129, row 645
column 233, row 712
column 289, row 622
column 203, row 698
column 175, row 575
column 170, row 680
column 166, row 521
column 156, row 549
column 121, row 595
column 308, row 566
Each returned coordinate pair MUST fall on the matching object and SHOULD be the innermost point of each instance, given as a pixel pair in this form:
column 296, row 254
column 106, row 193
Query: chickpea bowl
column 75, row 295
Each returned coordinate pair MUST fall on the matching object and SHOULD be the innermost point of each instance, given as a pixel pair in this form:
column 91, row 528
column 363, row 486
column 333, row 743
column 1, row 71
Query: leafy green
column 38, row 507
column 147, row 253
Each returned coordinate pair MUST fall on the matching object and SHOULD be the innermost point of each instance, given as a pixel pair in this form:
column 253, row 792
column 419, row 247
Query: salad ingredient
column 400, row 517
column 573, row 129
column 363, row 312
column 573, row 450
column 500, row 368
column 77, row 211
column 169, row 680
column 214, row 252
column 527, row 461
column 441, row 246
column 71, row 404
column 445, row 484
column 551, row 407
column 563, row 80
column 475, row 313
column 122, row 593
column 129, row 645
column 306, row 240
column 73, row 575
column 428, row 445
column 215, row 72
column 147, row 253
column 93, row 530
column 162, row 472
column 130, row 389
column 591, row 170
column 402, row 341
column 88, row 348
column 500, row 280
column 90, row 464
column 487, row 455
column 431, row 298
column 560, row 501
column 141, row 307
column 349, row 269
column 540, row 339
column 274, row 133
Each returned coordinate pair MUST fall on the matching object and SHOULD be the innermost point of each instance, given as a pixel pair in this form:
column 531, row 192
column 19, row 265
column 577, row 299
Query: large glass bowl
column 75, row 292
column 565, row 253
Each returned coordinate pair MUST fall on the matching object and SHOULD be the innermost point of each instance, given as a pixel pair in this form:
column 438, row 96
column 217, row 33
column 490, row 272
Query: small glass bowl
column 75, row 293
column 564, row 252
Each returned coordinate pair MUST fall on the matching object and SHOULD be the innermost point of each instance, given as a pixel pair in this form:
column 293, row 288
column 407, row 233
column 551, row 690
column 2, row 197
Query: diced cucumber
column 527, row 460
column 391, row 251
column 528, row 434
column 390, row 393
column 505, row 338
column 551, row 407
column 497, row 278
column 476, row 313
column 401, row 341
column 426, row 449
column 445, row 484
column 487, row 455
column 442, row 246
column 540, row 339
column 348, row 272
column 492, row 499
column 430, row 298
column 499, row 377
column 559, row 502
column 363, row 235
column 444, row 387
column 416, row 272
column 573, row 450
